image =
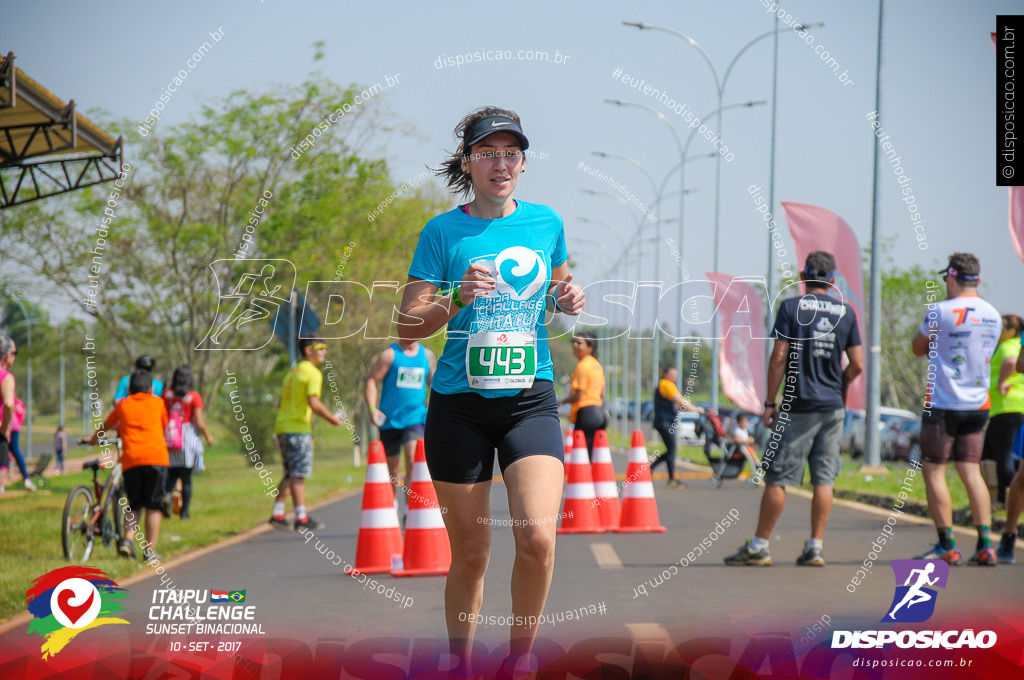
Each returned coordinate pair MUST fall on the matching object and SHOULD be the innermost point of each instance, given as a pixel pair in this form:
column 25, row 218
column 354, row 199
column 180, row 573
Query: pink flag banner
column 1017, row 220
column 815, row 228
column 741, row 358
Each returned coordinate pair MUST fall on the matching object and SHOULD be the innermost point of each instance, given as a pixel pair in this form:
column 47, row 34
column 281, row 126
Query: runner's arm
column 1020, row 363
column 1005, row 371
column 200, row 422
column 321, row 410
column 919, row 346
column 564, row 295
column 7, row 394
column 854, row 368
column 422, row 315
column 574, row 396
column 378, row 372
column 432, row 360
column 776, row 369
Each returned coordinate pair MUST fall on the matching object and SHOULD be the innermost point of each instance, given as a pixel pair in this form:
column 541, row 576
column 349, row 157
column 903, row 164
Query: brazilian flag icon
column 237, row 596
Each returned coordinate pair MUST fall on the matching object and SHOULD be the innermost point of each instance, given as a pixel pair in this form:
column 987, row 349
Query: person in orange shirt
column 586, row 389
column 141, row 421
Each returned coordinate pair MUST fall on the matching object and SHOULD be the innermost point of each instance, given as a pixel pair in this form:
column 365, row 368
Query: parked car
column 904, row 441
column 852, row 439
column 646, row 410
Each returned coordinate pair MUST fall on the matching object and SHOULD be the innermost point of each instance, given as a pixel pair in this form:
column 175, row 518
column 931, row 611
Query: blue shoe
column 1005, row 551
column 952, row 556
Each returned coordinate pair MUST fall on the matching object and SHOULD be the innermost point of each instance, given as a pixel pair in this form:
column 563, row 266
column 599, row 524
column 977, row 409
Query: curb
column 185, row 558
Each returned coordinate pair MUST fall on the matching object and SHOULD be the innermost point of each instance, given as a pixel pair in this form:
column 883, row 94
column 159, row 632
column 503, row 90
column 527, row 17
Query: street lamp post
column 720, row 83
column 683, row 160
column 639, row 232
column 657, row 272
column 624, row 261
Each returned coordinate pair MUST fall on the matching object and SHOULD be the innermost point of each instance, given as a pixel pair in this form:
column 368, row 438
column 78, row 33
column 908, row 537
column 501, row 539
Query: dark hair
column 819, row 267
column 591, row 340
column 145, row 363
column 308, row 342
column 742, row 415
column 458, row 180
column 966, row 264
column 666, row 369
column 181, row 383
column 1012, row 322
column 141, row 381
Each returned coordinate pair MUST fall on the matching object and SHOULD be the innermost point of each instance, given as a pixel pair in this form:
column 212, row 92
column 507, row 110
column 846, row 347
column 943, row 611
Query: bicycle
column 89, row 513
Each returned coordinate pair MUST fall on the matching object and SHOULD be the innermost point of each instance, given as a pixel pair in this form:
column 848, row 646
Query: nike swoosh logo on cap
column 495, row 123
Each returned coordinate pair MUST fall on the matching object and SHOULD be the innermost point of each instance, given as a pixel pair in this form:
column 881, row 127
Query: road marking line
column 605, row 556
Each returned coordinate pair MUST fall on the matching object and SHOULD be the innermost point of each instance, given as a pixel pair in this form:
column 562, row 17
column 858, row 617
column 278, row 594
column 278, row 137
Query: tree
column 904, row 304
column 136, row 257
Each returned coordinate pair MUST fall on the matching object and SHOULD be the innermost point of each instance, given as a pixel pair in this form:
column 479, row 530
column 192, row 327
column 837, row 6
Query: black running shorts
column 463, row 430
column 144, row 486
column 960, row 434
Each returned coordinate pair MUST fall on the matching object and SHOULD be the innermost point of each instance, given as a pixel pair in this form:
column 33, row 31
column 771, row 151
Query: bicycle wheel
column 76, row 530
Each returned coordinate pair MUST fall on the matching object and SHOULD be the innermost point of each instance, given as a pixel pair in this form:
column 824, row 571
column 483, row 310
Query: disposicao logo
column 914, row 602
column 70, row 600
column 916, row 576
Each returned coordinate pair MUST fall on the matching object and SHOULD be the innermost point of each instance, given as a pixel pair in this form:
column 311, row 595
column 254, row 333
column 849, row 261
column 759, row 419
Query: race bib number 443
column 501, row 360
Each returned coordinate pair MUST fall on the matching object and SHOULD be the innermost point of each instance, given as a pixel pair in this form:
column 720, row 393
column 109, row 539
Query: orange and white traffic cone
column 605, row 488
column 568, row 448
column 427, row 549
column 580, row 514
column 380, row 538
column 639, row 510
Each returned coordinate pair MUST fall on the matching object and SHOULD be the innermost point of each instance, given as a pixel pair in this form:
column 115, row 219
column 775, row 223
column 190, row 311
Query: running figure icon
column 251, row 307
column 915, row 595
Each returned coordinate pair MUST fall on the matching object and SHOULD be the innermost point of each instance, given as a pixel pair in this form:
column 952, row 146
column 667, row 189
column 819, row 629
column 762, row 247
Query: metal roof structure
column 46, row 148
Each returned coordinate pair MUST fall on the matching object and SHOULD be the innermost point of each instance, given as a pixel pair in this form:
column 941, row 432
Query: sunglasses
column 319, row 347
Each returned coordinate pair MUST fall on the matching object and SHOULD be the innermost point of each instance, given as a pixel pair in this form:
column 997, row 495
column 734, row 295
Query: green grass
column 228, row 498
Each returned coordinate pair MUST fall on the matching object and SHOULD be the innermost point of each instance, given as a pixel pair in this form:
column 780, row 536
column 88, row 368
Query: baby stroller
column 726, row 457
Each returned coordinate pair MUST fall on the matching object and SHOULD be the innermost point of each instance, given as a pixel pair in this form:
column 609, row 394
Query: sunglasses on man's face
column 319, row 347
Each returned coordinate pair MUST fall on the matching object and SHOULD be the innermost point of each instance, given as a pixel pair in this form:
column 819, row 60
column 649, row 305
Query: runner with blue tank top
column 402, row 374
column 489, row 271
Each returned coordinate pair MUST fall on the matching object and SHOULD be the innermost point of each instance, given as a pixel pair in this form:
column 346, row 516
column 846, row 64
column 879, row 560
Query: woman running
column 490, row 269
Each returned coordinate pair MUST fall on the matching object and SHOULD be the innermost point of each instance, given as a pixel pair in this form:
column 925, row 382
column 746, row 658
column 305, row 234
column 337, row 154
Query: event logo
column 259, row 291
column 521, row 272
column 914, row 601
column 70, row 600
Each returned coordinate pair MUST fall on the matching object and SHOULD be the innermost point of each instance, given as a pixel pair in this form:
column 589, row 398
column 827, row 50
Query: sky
column 937, row 105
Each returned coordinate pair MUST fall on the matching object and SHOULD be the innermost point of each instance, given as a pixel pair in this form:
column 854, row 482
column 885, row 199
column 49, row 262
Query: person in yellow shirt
column 586, row 391
column 1006, row 416
column 300, row 399
column 667, row 403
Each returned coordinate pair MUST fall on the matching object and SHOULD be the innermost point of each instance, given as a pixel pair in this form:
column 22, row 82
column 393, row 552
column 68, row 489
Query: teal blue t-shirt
column 525, row 246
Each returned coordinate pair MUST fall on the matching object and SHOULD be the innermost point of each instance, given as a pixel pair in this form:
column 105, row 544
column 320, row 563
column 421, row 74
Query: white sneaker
column 29, row 485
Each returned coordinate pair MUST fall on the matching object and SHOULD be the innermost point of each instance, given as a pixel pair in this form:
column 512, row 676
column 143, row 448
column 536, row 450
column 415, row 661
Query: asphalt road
column 298, row 593
column 285, row 574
